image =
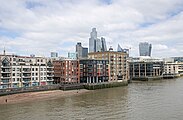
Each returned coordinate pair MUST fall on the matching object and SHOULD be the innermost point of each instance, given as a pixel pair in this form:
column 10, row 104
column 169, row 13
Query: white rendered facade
column 21, row 71
column 173, row 69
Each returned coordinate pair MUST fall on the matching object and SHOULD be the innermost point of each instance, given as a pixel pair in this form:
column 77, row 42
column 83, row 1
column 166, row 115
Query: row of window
column 28, row 69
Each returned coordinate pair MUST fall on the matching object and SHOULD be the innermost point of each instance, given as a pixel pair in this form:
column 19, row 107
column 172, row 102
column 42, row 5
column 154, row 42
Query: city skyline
column 96, row 44
column 37, row 27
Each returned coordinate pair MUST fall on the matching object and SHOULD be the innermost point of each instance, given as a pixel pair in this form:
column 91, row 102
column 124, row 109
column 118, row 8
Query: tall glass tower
column 95, row 44
column 104, row 47
column 145, row 49
column 92, row 40
column 82, row 52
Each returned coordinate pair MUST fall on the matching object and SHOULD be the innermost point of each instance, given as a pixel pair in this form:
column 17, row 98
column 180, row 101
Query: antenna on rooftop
column 4, row 52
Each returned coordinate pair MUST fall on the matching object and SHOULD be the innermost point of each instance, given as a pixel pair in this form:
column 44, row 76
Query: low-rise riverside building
column 172, row 68
column 66, row 71
column 145, row 68
column 23, row 71
column 94, row 71
column 118, row 65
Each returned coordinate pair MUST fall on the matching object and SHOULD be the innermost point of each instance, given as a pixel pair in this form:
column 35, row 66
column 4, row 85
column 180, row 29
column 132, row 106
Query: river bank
column 36, row 96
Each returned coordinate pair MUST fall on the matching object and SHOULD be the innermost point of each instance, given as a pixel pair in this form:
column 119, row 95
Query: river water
column 152, row 100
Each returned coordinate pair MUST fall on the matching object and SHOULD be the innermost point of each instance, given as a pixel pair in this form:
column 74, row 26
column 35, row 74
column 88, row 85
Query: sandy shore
column 31, row 96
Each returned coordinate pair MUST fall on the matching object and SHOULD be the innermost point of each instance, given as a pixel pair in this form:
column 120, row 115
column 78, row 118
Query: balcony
column 50, row 67
column 26, row 76
column 5, row 71
column 50, row 79
column 50, row 71
column 26, row 80
column 26, row 71
column 50, row 75
column 5, row 66
column 6, row 81
column 3, row 77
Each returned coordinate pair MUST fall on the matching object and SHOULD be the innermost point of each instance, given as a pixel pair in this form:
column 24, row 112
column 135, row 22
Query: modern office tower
column 92, row 40
column 95, row 44
column 82, row 52
column 145, row 49
column 94, row 71
column 104, row 47
column 66, row 71
column 32, row 55
column 98, row 45
column 177, row 59
column 145, row 68
column 85, row 52
column 22, row 71
column 72, row 55
column 79, row 50
column 117, row 63
column 119, row 49
column 54, row 54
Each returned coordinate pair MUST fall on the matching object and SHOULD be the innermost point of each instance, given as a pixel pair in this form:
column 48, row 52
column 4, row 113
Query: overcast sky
column 41, row 26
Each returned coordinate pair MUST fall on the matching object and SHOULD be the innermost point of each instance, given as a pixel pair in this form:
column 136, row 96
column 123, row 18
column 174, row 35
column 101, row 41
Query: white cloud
column 45, row 26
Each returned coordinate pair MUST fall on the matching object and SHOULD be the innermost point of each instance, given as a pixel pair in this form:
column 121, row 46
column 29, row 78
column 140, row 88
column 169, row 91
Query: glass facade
column 95, row 44
column 145, row 49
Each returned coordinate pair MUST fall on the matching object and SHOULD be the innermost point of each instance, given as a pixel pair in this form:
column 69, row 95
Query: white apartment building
column 22, row 71
column 172, row 69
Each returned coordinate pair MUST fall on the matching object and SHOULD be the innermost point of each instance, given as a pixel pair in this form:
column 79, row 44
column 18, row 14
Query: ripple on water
column 154, row 100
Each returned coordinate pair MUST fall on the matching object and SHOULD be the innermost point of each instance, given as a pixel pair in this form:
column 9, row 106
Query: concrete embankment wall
column 93, row 86
column 147, row 78
column 64, row 87
column 10, row 91
column 71, row 87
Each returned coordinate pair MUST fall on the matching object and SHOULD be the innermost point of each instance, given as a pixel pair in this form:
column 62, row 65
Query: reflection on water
column 154, row 100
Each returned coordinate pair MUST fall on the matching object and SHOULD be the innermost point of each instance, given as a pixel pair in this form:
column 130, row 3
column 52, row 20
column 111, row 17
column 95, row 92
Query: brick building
column 94, row 71
column 66, row 71
column 118, row 64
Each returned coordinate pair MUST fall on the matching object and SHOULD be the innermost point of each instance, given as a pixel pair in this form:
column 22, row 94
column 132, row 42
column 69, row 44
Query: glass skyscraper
column 82, row 52
column 92, row 40
column 104, row 47
column 95, row 44
column 54, row 54
column 145, row 49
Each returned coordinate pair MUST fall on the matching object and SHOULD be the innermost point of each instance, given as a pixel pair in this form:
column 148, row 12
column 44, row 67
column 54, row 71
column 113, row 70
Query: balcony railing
column 6, row 71
column 26, row 71
column 5, row 77
column 2, row 66
column 50, row 75
column 26, row 76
